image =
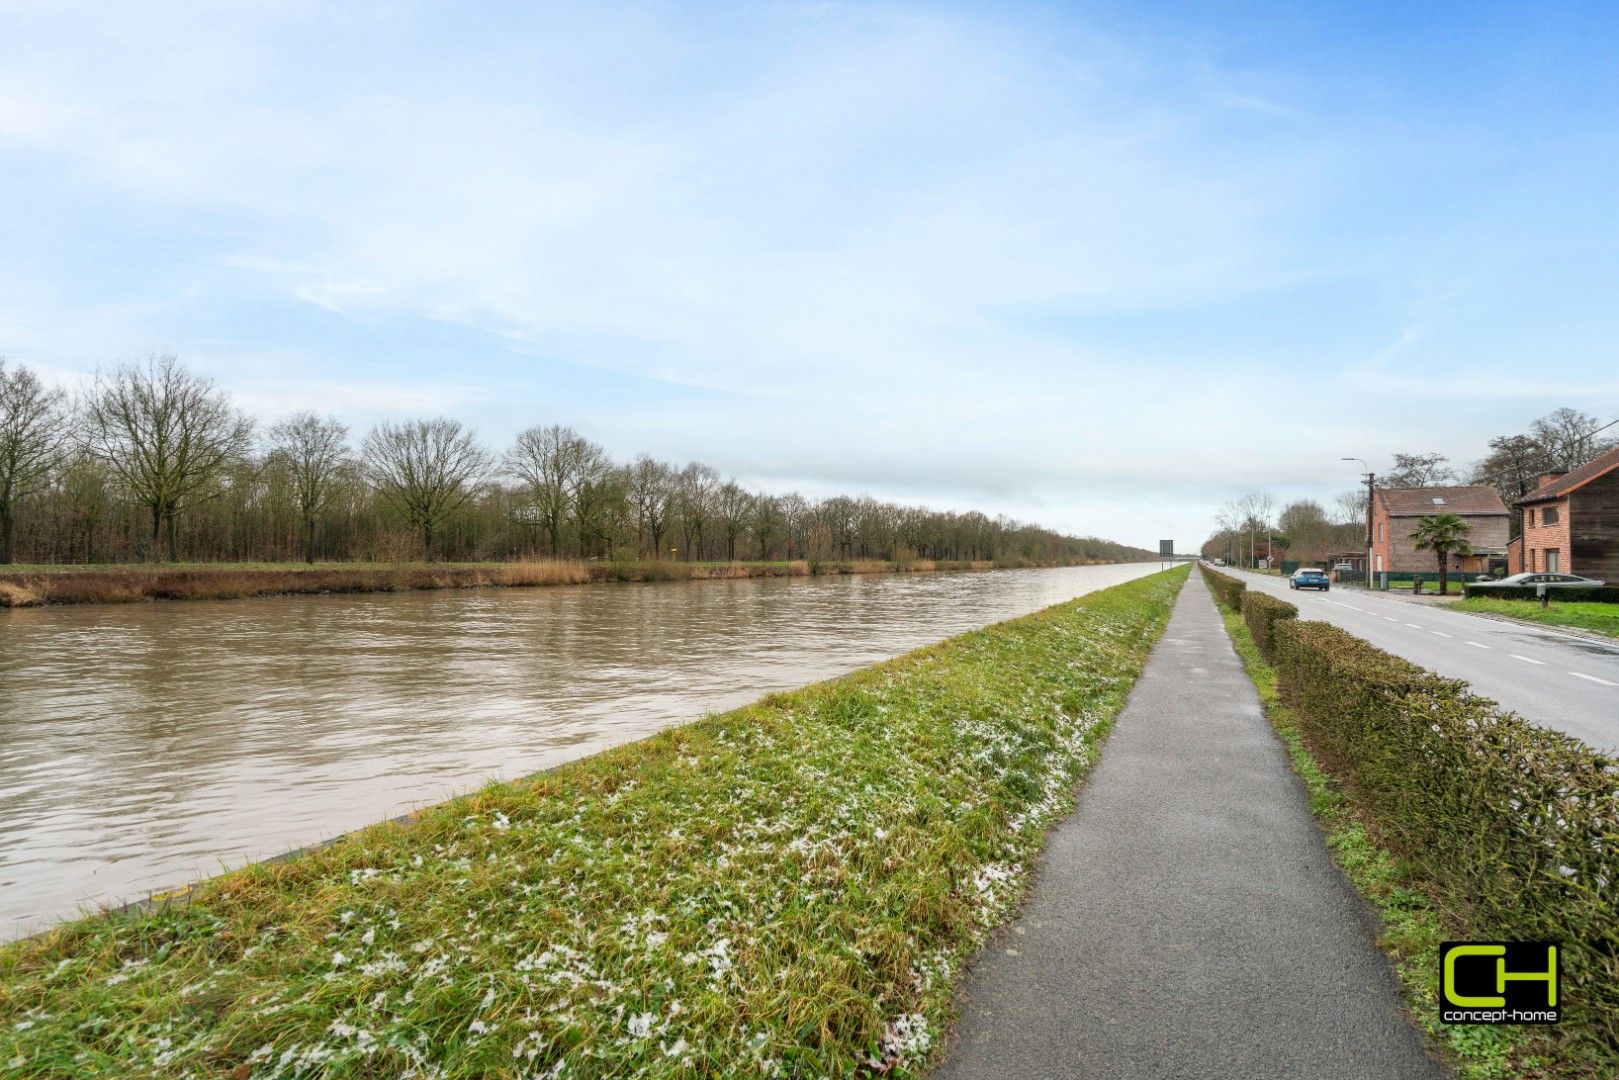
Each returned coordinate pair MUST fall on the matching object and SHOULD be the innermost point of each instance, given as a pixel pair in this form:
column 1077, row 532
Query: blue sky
column 1102, row 266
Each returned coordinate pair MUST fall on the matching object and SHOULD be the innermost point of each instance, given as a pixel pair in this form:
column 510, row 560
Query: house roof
column 1600, row 465
column 1470, row 500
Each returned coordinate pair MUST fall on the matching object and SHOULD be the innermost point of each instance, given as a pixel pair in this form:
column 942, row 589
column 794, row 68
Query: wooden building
column 1571, row 523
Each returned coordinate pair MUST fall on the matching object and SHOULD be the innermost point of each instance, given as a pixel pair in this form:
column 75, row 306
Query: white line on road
column 1440, row 633
column 1526, row 659
column 1476, row 645
column 1592, row 678
column 1390, row 618
column 1413, row 626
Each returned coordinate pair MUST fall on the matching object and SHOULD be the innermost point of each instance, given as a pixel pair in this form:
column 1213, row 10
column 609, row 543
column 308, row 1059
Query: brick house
column 1396, row 511
column 1571, row 523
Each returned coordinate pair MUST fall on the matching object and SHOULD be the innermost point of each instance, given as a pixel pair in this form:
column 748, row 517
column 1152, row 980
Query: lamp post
column 1369, row 480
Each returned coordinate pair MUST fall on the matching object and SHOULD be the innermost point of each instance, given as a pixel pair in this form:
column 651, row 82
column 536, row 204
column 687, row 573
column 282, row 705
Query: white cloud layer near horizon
column 1004, row 257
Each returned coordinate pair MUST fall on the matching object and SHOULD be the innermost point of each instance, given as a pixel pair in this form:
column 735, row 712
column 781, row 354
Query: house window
column 1380, row 527
column 1529, row 516
column 1548, row 516
column 1552, row 562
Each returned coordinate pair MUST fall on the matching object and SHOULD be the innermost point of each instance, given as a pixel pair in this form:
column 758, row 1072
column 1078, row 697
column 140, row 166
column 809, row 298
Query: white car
column 1567, row 581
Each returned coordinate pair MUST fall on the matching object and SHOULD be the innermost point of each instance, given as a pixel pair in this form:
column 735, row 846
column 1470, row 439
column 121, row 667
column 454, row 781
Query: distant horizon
column 1098, row 269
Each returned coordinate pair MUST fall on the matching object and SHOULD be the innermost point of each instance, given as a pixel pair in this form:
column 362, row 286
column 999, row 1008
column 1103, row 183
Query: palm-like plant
column 1444, row 535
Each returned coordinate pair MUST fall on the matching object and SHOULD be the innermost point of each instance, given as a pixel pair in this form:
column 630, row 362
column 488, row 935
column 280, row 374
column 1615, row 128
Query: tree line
column 153, row 462
column 1256, row 525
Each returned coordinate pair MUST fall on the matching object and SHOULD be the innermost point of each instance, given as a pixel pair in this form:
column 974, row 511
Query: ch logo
column 1499, row 982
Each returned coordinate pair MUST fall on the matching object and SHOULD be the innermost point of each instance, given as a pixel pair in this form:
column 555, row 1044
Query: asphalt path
column 1556, row 680
column 1187, row 920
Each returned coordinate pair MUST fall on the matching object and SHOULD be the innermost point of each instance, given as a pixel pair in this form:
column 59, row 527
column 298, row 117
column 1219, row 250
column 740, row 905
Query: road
column 1556, row 680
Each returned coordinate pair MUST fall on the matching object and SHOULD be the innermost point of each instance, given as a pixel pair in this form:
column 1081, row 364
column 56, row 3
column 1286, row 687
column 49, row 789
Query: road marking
column 1413, row 626
column 1476, row 645
column 1440, row 633
column 1592, row 678
column 1526, row 659
column 1390, row 618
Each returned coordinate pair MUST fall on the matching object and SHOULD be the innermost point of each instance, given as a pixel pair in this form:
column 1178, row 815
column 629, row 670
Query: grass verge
column 1579, row 614
column 788, row 889
column 1414, row 924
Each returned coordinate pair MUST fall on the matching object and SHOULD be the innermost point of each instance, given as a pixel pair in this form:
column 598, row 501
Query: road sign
column 1166, row 547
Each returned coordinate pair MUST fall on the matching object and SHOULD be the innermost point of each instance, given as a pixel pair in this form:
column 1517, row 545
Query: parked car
column 1310, row 579
column 1549, row 580
column 1344, row 568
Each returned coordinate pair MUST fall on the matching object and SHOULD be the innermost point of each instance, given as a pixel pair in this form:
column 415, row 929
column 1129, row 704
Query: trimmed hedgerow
column 1598, row 594
column 1262, row 612
column 1227, row 589
column 1513, row 826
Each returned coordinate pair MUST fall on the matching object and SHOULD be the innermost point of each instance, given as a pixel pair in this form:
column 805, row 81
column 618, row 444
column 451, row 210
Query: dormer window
column 1437, row 501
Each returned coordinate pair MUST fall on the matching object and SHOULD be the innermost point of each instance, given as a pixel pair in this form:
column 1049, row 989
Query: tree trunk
column 8, row 527
column 309, row 540
column 1444, row 564
column 156, row 554
column 427, row 539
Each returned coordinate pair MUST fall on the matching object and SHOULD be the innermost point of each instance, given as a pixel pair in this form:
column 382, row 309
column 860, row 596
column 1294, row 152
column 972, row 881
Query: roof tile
column 1419, row 502
column 1575, row 478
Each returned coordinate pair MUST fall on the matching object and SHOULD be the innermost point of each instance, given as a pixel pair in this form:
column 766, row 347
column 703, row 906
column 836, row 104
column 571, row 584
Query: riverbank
column 38, row 585
column 788, row 888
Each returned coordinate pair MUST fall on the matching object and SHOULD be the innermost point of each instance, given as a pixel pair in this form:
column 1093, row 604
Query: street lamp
column 1369, row 479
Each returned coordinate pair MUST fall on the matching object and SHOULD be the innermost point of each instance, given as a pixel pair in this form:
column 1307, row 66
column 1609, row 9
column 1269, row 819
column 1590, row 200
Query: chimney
column 1546, row 478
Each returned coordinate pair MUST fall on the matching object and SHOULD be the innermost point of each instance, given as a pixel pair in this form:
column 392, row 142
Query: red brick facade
column 1396, row 511
column 1546, row 543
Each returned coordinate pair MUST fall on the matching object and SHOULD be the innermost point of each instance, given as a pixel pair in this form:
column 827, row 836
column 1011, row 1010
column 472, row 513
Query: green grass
column 789, row 889
column 1581, row 614
column 1413, row 923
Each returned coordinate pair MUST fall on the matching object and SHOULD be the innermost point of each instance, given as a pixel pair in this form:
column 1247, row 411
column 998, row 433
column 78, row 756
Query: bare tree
column 1418, row 471
column 732, row 506
column 766, row 523
column 167, row 433
column 426, row 468
column 552, row 462
column 33, row 432
column 652, row 489
column 1349, row 507
column 695, row 497
column 314, row 451
column 1569, row 437
column 796, row 519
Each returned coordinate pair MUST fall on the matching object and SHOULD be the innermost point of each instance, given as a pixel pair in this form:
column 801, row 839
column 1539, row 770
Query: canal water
column 146, row 745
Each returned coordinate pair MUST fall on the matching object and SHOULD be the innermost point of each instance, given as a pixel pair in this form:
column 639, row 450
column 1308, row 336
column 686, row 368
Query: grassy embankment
column 788, row 889
column 1580, row 614
column 28, row 586
column 1414, row 923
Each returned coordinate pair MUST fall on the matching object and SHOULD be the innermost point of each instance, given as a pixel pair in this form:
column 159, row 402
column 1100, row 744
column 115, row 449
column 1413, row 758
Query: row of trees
column 1256, row 526
column 154, row 462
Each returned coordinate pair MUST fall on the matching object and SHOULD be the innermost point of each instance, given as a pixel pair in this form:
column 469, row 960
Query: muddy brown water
column 143, row 746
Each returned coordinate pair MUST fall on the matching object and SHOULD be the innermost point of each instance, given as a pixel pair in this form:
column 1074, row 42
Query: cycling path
column 1187, row 920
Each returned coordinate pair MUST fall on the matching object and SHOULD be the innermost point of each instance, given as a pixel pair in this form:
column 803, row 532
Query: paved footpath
column 1187, row 920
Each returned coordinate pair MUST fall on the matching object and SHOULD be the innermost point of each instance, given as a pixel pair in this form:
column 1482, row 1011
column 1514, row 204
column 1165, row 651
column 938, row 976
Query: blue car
column 1309, row 579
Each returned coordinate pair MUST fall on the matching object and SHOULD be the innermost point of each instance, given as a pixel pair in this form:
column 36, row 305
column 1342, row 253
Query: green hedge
column 1601, row 594
column 1262, row 612
column 1513, row 826
column 1227, row 589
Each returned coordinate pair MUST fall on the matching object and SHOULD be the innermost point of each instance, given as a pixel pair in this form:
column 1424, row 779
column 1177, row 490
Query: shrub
column 1262, row 612
column 1227, row 589
column 1600, row 594
column 12, row 595
column 1513, row 826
